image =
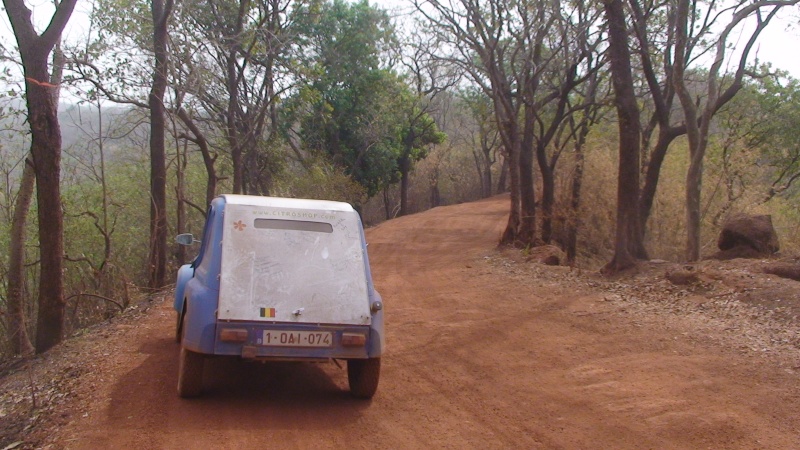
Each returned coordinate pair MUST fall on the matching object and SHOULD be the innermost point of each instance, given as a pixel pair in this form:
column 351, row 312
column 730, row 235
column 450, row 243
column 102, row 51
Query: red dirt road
column 476, row 359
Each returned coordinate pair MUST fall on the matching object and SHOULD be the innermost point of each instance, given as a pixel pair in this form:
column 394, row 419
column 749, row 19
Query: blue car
column 279, row 279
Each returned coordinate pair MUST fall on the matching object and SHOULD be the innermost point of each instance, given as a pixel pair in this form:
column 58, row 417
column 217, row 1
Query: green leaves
column 351, row 107
column 761, row 122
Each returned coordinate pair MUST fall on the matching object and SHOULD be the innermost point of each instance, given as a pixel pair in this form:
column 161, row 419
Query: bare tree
column 234, row 73
column 528, row 57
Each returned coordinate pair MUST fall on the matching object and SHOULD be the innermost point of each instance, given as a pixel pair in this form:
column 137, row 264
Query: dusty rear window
column 296, row 225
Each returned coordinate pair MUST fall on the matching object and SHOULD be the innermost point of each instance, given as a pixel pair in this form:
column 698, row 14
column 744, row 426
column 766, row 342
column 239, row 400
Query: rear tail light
column 233, row 335
column 353, row 340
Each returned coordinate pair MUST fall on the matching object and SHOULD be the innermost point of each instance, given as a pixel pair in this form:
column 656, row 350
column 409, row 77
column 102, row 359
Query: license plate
column 297, row 338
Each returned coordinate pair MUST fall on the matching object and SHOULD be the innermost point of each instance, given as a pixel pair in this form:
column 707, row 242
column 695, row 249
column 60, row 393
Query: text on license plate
column 297, row 338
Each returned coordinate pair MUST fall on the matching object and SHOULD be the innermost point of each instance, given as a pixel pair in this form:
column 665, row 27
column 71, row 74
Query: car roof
column 281, row 202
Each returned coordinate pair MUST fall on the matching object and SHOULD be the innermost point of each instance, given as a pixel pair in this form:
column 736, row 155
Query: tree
column 15, row 299
column 120, row 82
column 352, row 108
column 418, row 132
column 528, row 57
column 761, row 123
column 626, row 242
column 429, row 78
column 482, row 136
column 698, row 117
column 35, row 49
column 588, row 111
column 238, row 61
column 656, row 29
column 161, row 11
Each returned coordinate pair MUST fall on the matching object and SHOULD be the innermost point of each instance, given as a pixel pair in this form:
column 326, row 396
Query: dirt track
column 475, row 360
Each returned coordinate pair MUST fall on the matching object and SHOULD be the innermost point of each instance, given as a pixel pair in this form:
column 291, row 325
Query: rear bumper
column 254, row 343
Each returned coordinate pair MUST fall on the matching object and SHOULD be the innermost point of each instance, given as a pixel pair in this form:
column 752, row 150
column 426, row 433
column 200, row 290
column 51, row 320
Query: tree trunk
column 627, row 237
column 435, row 195
column 387, row 204
column 526, row 234
column 486, row 184
column 573, row 222
column 46, row 152
column 510, row 233
column 405, row 168
column 180, row 195
column 208, row 159
column 158, row 170
column 501, row 180
column 17, row 329
column 548, row 194
column 652, row 174
column 41, row 97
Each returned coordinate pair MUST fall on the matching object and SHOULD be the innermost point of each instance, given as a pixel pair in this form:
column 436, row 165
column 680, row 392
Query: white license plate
column 297, row 338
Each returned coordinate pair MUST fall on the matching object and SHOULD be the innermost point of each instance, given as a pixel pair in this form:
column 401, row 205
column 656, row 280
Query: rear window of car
column 294, row 225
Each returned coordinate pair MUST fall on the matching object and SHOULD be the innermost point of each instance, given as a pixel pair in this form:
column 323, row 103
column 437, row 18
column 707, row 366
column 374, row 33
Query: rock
column 740, row 251
column 682, row 277
column 747, row 236
column 549, row 255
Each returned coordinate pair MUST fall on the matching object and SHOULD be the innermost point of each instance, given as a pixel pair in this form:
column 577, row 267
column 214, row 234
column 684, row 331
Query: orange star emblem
column 239, row 225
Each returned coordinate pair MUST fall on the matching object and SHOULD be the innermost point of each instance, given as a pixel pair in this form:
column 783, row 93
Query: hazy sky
column 779, row 44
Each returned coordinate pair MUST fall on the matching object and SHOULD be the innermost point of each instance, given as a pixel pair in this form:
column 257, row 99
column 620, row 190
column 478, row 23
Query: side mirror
column 185, row 239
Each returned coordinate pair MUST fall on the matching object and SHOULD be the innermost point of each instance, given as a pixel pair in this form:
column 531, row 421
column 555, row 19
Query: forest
column 621, row 130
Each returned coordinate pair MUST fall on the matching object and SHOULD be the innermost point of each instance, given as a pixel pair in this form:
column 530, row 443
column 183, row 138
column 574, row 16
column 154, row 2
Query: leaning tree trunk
column 17, row 330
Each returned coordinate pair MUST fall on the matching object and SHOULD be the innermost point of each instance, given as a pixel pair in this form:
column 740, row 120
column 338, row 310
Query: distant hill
column 80, row 126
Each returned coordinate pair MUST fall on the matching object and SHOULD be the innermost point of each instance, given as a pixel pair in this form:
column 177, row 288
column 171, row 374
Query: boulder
column 747, row 236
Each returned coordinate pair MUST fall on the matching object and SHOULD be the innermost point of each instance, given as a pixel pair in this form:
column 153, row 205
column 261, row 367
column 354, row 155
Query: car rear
column 293, row 281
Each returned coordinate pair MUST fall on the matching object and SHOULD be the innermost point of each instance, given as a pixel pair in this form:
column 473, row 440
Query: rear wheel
column 179, row 328
column 190, row 373
column 363, row 375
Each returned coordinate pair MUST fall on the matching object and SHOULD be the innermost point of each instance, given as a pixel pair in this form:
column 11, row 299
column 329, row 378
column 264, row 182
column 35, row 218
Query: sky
column 779, row 44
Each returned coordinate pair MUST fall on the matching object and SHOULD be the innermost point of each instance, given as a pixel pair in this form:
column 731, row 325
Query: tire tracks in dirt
column 476, row 359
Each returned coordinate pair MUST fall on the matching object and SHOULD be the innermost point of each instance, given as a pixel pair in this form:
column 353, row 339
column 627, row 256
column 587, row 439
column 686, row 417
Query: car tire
column 179, row 328
column 363, row 375
column 190, row 373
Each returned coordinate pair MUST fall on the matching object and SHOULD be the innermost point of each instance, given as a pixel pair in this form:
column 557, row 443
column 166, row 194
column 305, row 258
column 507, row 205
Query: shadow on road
column 239, row 395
